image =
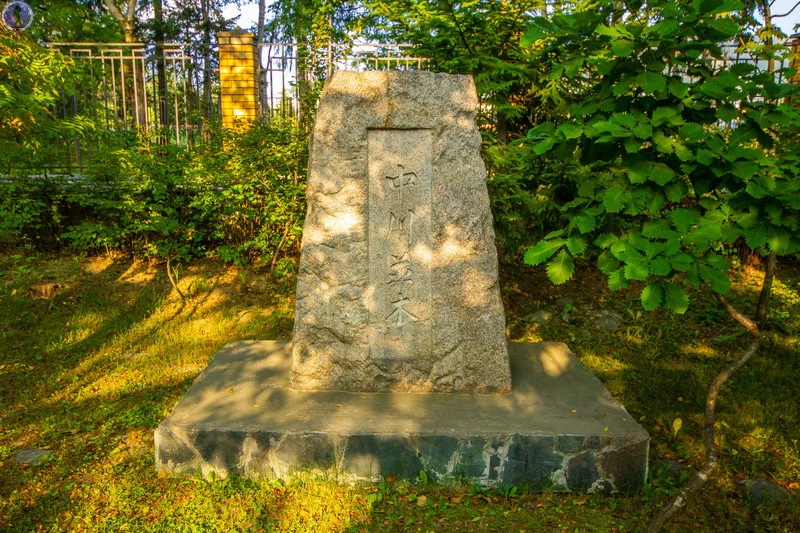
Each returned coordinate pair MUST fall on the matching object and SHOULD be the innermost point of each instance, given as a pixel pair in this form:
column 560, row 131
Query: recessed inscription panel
column 399, row 243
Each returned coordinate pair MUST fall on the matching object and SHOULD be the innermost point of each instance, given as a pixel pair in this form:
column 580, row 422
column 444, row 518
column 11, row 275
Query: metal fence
column 120, row 89
column 283, row 71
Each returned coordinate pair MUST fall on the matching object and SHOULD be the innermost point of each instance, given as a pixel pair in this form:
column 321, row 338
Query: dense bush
column 240, row 196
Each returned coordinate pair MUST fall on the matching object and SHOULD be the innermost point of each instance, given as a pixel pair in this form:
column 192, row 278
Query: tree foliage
column 684, row 157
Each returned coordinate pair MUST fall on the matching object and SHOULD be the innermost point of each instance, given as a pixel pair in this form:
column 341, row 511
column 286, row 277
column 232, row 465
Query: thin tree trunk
column 280, row 246
column 205, row 6
column 710, row 464
column 161, row 67
column 766, row 289
column 262, row 13
column 171, row 278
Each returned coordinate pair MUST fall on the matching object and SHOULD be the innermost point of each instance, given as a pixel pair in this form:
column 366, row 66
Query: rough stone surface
column 398, row 288
column 606, row 320
column 31, row 455
column 564, row 301
column 541, row 316
column 559, row 428
column 763, row 492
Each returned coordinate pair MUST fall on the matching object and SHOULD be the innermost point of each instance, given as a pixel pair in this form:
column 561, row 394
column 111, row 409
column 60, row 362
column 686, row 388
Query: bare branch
column 710, row 463
column 787, row 13
column 131, row 11
column 114, row 10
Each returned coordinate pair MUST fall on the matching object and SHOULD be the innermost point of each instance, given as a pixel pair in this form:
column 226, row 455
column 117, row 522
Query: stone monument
column 398, row 286
column 399, row 361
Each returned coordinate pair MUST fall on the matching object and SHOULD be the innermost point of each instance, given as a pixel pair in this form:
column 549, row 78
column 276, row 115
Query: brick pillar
column 238, row 68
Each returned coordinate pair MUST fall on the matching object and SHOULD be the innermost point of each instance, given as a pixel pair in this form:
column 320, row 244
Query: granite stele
column 399, row 361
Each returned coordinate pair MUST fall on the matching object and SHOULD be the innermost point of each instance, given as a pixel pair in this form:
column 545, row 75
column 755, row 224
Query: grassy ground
column 90, row 372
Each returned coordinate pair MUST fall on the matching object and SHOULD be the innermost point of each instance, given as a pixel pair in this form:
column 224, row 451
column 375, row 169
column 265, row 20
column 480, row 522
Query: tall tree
column 124, row 11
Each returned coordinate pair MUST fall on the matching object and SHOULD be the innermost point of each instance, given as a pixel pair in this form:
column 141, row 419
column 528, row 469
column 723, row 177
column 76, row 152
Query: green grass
column 91, row 372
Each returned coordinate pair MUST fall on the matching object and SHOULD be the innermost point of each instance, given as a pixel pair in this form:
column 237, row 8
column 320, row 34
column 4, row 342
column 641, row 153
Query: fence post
column 794, row 43
column 238, row 68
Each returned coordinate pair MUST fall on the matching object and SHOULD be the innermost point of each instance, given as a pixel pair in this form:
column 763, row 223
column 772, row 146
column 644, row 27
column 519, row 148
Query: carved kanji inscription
column 399, row 243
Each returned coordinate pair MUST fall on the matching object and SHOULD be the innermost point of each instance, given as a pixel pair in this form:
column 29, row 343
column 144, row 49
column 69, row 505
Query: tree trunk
column 207, row 104
column 161, row 73
column 766, row 288
column 710, row 464
column 262, row 13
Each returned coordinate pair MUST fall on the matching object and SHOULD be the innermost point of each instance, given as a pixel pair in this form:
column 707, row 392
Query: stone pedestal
column 559, row 427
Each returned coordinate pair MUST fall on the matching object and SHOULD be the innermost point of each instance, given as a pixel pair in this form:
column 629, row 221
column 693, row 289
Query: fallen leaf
column 390, row 479
column 676, row 426
column 573, row 411
column 457, row 499
column 422, row 501
column 338, row 405
column 539, row 505
column 794, row 485
column 162, row 474
column 230, row 390
column 582, row 502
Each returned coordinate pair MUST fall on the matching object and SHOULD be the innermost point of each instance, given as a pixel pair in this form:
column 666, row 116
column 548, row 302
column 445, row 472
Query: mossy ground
column 92, row 371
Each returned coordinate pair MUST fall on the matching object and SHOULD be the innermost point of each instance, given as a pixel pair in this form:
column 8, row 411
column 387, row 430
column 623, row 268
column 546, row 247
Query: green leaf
column 744, row 169
column 560, row 269
column 638, row 171
column 585, row 223
column 637, row 271
column 652, row 296
column 678, row 88
column 544, row 146
column 705, row 157
column 543, row 250
column 681, row 262
column 572, row 66
column 727, row 113
column 571, row 131
column 622, row 47
column 617, row 280
column 682, row 219
column 657, row 228
column 723, row 7
column 756, row 236
column 676, row 190
column 651, row 82
column 576, row 245
column 663, row 115
column 717, row 261
column 692, row 132
column 756, row 191
column 608, row 32
column 660, row 266
column 716, row 278
column 607, row 263
column 661, row 174
column 615, row 199
column 643, row 131
column 632, row 145
column 532, row 35
column 675, row 298
column 605, row 240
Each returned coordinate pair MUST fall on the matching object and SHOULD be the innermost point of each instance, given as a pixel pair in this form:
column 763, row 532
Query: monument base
column 559, row 428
